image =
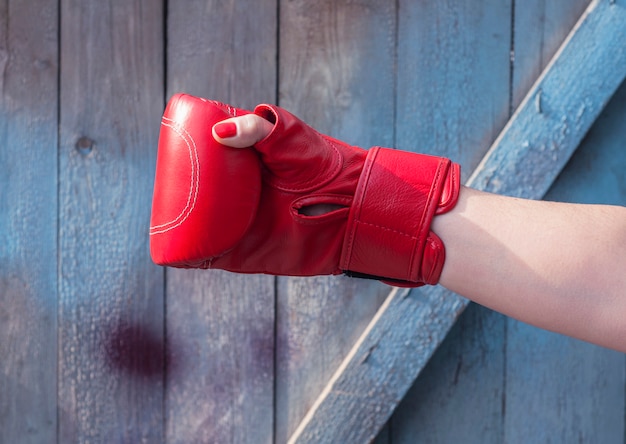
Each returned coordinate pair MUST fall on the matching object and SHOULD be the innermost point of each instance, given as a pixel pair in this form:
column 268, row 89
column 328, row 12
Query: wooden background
column 97, row 344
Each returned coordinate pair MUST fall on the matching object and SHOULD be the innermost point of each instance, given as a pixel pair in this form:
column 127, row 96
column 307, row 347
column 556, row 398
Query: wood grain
column 550, row 122
column 474, row 362
column 374, row 376
column 583, row 402
column 560, row 389
column 453, row 77
column 220, row 378
column 359, row 398
column 540, row 28
column 28, row 228
column 111, row 345
column 595, row 174
column 337, row 74
column 229, row 363
column 458, row 396
column 220, row 326
column 454, row 84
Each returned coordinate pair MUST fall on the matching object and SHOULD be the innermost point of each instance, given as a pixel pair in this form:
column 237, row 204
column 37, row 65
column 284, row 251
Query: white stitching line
column 192, row 176
column 194, row 184
column 193, row 189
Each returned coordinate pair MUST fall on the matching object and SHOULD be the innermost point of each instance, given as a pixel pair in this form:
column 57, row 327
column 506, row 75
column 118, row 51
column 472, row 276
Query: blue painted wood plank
column 540, row 28
column 560, row 389
column 454, row 92
column 470, row 364
column 111, row 345
column 453, row 78
column 582, row 401
column 596, row 172
column 220, row 325
column 28, row 228
column 560, row 108
column 464, row 380
column 336, row 73
column 411, row 324
column 381, row 366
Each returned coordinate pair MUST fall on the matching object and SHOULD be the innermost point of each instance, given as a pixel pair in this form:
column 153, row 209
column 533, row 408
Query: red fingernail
column 225, row 130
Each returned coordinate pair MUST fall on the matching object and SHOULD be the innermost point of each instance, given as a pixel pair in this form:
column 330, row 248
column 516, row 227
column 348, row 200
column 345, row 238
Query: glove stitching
column 231, row 110
column 194, row 180
column 359, row 197
column 387, row 229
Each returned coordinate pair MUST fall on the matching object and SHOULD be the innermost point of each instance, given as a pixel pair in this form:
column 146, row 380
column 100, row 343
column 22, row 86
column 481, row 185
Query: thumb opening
column 243, row 131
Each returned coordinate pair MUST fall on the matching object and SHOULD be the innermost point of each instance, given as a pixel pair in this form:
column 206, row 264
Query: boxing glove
column 252, row 210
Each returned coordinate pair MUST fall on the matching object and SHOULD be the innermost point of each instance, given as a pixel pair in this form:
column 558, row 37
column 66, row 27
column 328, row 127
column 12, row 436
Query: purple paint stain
column 136, row 350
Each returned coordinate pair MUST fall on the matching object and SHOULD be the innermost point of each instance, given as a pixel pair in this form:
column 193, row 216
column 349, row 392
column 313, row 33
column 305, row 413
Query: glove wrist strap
column 388, row 232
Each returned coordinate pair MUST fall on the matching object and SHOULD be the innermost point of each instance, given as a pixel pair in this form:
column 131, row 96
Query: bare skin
column 558, row 266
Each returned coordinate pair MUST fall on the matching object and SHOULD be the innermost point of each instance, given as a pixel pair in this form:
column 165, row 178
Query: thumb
column 243, row 131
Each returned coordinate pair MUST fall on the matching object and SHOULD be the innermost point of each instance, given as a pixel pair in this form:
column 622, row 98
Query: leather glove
column 245, row 210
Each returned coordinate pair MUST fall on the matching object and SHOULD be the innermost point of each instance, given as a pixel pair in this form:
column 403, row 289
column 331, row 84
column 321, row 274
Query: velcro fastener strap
column 388, row 229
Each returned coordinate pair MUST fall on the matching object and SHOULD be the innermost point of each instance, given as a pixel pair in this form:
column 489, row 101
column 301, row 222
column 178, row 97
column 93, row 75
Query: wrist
column 389, row 232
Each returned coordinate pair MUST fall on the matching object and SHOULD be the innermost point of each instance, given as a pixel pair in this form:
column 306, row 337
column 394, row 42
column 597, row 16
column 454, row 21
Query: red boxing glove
column 245, row 210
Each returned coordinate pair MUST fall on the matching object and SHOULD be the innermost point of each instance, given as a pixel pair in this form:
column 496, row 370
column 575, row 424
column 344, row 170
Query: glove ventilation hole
column 319, row 209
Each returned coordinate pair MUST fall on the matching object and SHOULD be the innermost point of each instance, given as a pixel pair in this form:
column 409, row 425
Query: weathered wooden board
column 91, row 183
column 462, row 56
column 595, row 174
column 28, row 228
column 337, row 73
column 469, row 367
column 453, row 77
column 574, row 390
column 458, row 396
column 111, row 345
column 559, row 389
column 386, row 359
column 540, row 28
column 583, row 402
column 220, row 326
column 552, row 120
column 375, row 375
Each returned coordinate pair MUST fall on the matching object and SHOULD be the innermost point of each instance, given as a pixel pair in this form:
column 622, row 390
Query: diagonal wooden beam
column 524, row 161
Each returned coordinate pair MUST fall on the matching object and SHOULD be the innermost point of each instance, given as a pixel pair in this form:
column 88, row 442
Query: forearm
column 561, row 267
